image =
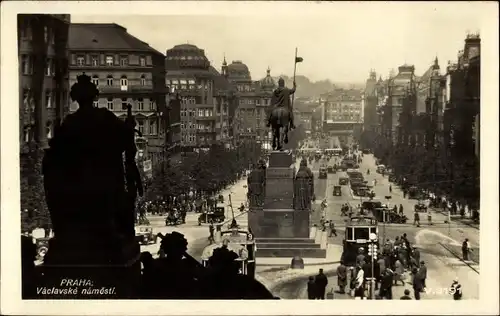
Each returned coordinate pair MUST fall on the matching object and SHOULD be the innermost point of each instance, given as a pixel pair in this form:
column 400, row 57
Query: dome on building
column 268, row 81
column 237, row 69
column 186, row 56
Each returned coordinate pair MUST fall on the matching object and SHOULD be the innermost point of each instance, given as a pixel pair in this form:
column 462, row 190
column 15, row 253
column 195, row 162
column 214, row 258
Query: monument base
column 283, row 233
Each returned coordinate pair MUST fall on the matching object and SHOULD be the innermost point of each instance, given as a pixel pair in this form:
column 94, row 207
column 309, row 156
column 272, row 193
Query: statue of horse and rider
column 281, row 115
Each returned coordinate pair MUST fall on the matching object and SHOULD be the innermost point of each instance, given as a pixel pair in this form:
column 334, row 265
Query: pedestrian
column 311, row 289
column 321, row 281
column 333, row 230
column 416, row 284
column 416, row 219
column 386, row 284
column 456, row 290
column 211, row 230
column 390, row 188
column 399, row 272
column 406, row 296
column 416, row 254
column 342, row 277
column 422, row 272
column 360, row 258
column 466, row 249
column 429, row 217
column 359, row 286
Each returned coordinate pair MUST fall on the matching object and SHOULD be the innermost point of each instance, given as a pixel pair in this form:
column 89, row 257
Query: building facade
column 126, row 71
column 204, row 95
column 343, row 112
column 253, row 103
column 43, row 76
column 371, row 101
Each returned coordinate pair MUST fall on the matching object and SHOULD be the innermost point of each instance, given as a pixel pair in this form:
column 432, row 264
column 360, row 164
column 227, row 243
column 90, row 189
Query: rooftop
column 105, row 36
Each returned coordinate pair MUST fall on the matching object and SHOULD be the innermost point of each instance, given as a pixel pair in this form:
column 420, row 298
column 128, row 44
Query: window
column 95, row 60
column 124, row 103
column 95, row 80
column 48, row 131
column 200, row 113
column 109, row 80
column 192, row 82
column 257, row 102
column 26, row 100
column 140, row 126
column 207, row 113
column 140, row 104
column 124, row 83
column 26, row 64
column 27, row 134
column 143, row 80
column 152, row 105
column 124, row 61
column 80, row 60
column 109, row 60
column 48, row 99
column 183, row 126
column 110, row 104
column 96, row 103
column 152, row 128
column 48, row 66
column 142, row 61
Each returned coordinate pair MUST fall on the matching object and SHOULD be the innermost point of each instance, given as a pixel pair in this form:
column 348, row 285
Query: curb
column 272, row 287
column 306, row 264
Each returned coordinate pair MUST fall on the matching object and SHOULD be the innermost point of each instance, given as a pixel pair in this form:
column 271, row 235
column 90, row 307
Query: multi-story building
column 204, row 94
column 400, row 88
column 463, row 98
column 126, row 71
column 43, row 76
column 254, row 100
column 303, row 114
column 43, row 102
column 343, row 112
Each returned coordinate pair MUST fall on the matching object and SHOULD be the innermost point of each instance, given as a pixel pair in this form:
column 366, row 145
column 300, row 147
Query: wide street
column 439, row 243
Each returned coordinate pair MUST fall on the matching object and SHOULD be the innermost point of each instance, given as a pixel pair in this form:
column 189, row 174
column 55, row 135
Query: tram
column 357, row 235
column 241, row 242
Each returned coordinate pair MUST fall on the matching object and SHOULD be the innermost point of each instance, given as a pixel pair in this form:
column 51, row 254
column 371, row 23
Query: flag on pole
column 299, row 59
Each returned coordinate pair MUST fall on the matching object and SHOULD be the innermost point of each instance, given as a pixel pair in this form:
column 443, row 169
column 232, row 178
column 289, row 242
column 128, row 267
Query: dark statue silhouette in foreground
column 90, row 203
column 177, row 275
column 281, row 114
column 304, row 187
column 91, row 185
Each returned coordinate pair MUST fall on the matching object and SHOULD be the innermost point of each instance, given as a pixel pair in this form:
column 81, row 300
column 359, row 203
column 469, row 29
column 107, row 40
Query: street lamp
column 372, row 252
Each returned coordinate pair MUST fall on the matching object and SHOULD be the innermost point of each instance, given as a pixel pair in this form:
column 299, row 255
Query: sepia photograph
column 285, row 151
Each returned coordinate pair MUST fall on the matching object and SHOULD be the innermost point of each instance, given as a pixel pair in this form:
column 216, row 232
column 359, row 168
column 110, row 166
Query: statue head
column 303, row 163
column 84, row 91
column 281, row 82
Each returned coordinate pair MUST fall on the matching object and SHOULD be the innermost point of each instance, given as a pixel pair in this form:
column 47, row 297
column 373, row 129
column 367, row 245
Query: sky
column 338, row 41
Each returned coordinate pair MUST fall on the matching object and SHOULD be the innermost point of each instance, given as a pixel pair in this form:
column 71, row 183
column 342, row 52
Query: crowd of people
column 398, row 263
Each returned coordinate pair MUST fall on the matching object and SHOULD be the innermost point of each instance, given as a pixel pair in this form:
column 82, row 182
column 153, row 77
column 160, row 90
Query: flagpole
column 294, row 71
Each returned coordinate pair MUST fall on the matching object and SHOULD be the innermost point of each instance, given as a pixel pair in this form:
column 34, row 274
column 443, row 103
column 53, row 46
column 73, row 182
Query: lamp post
column 372, row 252
column 384, row 217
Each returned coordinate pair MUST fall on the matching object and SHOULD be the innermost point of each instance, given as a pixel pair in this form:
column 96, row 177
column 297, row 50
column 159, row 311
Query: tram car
column 241, row 242
column 217, row 215
column 357, row 235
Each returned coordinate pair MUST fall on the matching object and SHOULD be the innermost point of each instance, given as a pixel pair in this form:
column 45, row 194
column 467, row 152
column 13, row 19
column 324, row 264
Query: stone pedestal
column 280, row 230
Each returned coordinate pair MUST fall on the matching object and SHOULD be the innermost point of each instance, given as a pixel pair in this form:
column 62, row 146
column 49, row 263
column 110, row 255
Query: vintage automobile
column 371, row 205
column 380, row 169
column 361, row 191
column 420, row 207
column 337, row 190
column 144, row 235
column 216, row 215
column 42, row 246
column 343, row 181
column 357, row 235
column 242, row 243
column 173, row 218
column 331, row 168
column 323, row 173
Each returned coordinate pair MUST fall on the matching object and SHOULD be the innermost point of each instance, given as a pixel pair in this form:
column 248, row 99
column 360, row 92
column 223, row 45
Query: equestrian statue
column 281, row 115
